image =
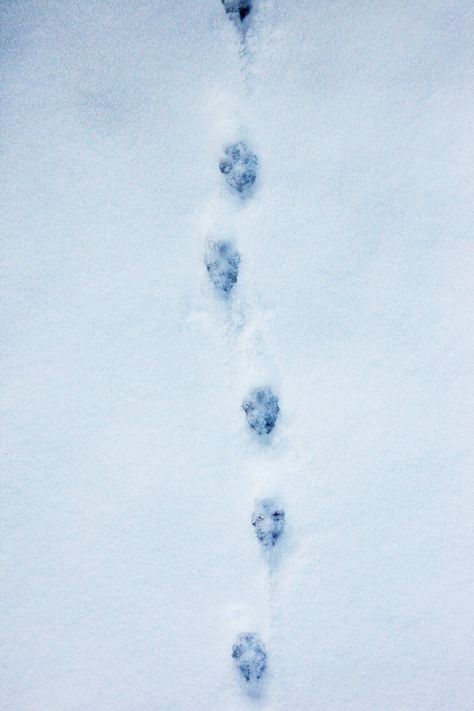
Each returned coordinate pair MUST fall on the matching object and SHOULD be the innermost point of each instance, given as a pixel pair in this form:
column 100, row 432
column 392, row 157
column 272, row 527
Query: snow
column 129, row 562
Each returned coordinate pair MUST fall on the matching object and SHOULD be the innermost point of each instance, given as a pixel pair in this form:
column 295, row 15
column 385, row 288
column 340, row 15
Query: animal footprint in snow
column 261, row 409
column 222, row 263
column 268, row 521
column 250, row 657
column 239, row 168
column 237, row 9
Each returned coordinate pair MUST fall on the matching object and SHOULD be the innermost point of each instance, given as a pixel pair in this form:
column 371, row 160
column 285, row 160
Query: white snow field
column 128, row 561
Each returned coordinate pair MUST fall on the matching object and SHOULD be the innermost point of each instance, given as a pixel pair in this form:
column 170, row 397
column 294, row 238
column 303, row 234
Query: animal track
column 268, row 521
column 238, row 9
column 261, row 409
column 250, row 657
column 239, row 168
column 222, row 263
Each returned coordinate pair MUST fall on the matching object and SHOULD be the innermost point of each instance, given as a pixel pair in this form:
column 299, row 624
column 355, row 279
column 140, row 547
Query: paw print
column 239, row 168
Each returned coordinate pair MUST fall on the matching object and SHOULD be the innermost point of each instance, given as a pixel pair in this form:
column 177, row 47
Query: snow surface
column 129, row 564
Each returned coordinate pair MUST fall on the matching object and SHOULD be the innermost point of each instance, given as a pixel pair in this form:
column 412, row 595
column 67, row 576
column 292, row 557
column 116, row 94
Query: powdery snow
column 129, row 562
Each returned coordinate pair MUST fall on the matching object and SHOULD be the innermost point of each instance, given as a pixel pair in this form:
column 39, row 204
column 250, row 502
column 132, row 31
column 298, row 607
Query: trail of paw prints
column 222, row 262
column 252, row 632
column 239, row 166
column 271, row 522
column 261, row 411
column 269, row 527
